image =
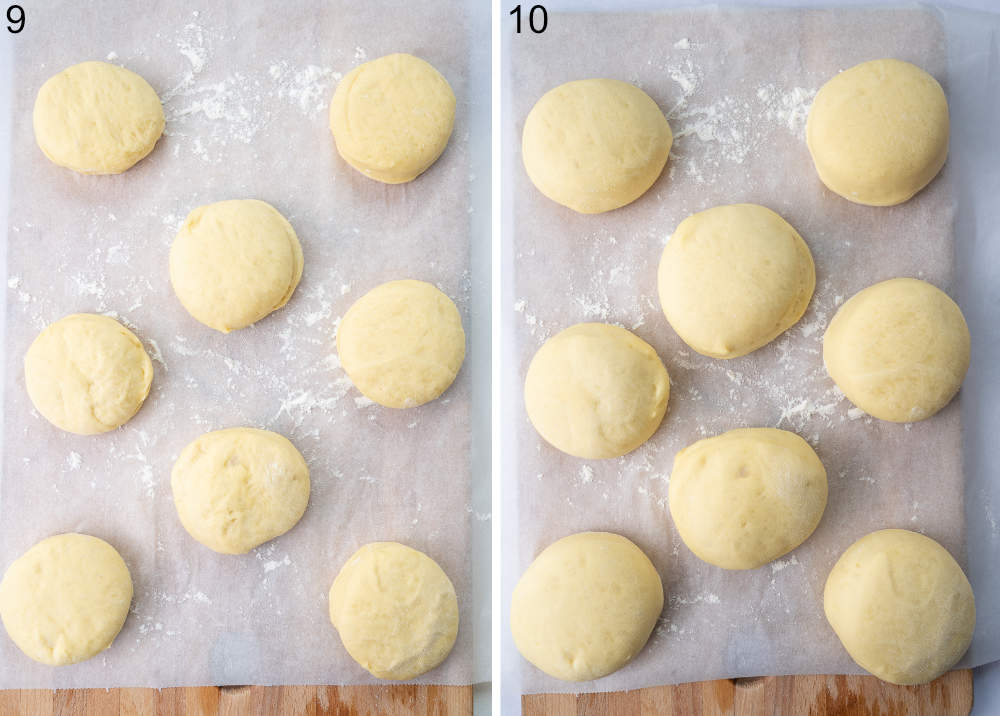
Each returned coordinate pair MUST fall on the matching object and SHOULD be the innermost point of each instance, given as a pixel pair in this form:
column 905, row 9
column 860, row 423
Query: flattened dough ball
column 234, row 262
column 878, row 132
column 97, row 118
column 733, row 278
column 395, row 610
column 596, row 391
column 586, row 606
column 899, row 350
column 595, row 145
column 402, row 343
column 238, row 488
column 391, row 118
column 746, row 497
column 901, row 606
column 66, row 598
column 87, row 374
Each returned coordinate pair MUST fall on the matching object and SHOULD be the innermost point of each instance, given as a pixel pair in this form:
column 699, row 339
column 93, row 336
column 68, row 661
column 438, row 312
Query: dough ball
column 391, row 118
column 395, row 610
column 595, row 145
column 586, row 606
column 66, row 598
column 402, row 343
column 734, row 278
column 87, row 374
column 898, row 350
column 878, row 132
column 96, row 118
column 238, row 488
column 746, row 497
column 235, row 262
column 596, row 391
column 901, row 606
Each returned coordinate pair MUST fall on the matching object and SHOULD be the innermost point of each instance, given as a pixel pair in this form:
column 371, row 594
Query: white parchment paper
column 246, row 88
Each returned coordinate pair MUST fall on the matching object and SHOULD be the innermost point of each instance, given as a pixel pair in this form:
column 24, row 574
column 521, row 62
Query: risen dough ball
column 595, row 145
column 96, row 118
column 235, row 489
column 402, row 343
column 586, row 606
column 66, row 598
column 901, row 606
column 87, row 374
column 395, row 610
column 234, row 262
column 734, row 278
column 746, row 497
column 898, row 350
column 878, row 132
column 391, row 118
column 596, row 391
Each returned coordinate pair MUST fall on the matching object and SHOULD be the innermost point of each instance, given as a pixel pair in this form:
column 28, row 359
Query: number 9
column 15, row 16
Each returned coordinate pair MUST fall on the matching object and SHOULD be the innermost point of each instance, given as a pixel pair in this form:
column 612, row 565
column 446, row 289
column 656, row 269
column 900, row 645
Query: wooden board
column 951, row 695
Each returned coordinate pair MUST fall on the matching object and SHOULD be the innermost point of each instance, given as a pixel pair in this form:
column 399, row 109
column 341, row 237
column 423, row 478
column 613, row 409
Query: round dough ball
column 901, row 606
column 596, row 391
column 898, row 350
column 87, row 374
column 402, row 343
column 66, row 598
column 746, row 497
column 234, row 262
column 395, row 610
column 235, row 489
column 586, row 606
column 595, row 145
column 391, row 118
column 96, row 118
column 878, row 132
column 734, row 278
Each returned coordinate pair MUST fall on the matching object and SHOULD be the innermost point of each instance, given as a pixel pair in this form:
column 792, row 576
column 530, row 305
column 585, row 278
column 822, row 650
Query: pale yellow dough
column 402, row 343
column 235, row 489
column 595, row 145
column 596, row 391
column 234, row 262
column 395, row 610
column 899, row 350
column 746, row 497
column 901, row 606
column 733, row 278
column 87, row 374
column 878, row 132
column 97, row 118
column 66, row 598
column 391, row 118
column 586, row 606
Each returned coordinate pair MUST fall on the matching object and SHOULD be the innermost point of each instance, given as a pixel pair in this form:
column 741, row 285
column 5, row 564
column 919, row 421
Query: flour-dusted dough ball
column 596, row 391
column 878, row 132
column 734, row 278
column 595, row 145
column 898, row 350
column 395, row 610
column 66, row 598
column 586, row 606
column 87, row 374
column 901, row 606
column 391, row 118
column 234, row 262
column 235, row 489
column 746, row 497
column 402, row 343
column 96, row 118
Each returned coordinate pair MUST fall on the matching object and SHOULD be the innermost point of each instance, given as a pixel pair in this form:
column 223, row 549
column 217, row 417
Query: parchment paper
column 736, row 85
column 246, row 89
